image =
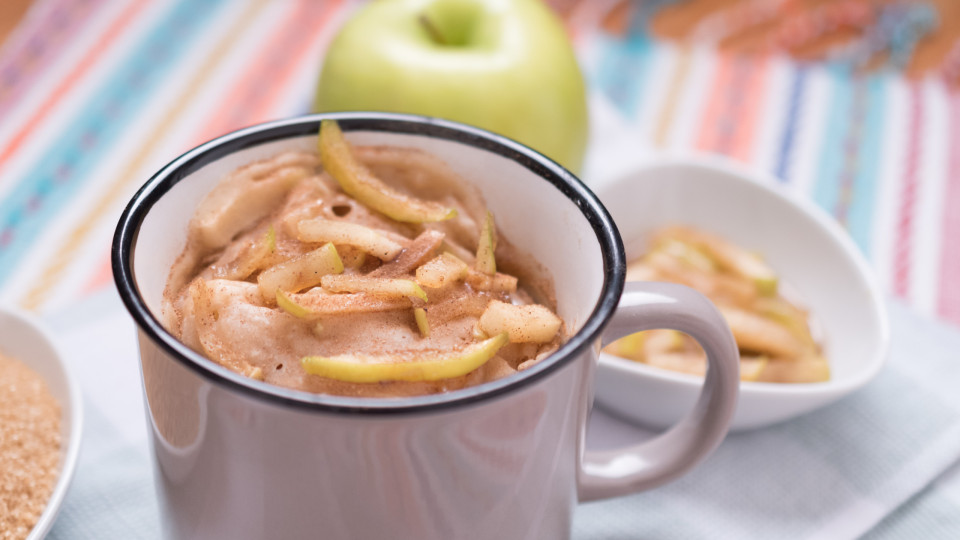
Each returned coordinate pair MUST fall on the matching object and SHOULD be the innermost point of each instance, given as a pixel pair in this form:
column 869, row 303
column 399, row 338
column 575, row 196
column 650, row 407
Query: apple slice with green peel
column 766, row 285
column 314, row 306
column 358, row 182
column 290, row 306
column 730, row 288
column 352, row 256
column 497, row 282
column 460, row 252
column 416, row 254
column 456, row 306
column 486, row 262
column 531, row 323
column 688, row 254
column 254, row 257
column 730, row 257
column 351, row 234
column 408, row 366
column 270, row 239
column 752, row 366
column 441, row 271
column 323, row 303
column 761, row 335
column 790, row 317
column 478, row 333
column 301, row 272
column 423, row 325
column 395, row 288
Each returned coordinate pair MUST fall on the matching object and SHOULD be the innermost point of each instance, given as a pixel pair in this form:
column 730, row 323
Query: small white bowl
column 805, row 246
column 24, row 338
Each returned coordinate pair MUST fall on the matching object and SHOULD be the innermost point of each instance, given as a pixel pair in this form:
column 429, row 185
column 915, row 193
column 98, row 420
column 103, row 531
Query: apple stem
column 432, row 29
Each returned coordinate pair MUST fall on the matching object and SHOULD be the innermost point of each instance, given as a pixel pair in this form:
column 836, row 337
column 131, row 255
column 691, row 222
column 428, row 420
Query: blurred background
column 853, row 104
column 848, row 102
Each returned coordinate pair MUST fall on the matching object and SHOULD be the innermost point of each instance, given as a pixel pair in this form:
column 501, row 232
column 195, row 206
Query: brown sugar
column 29, row 448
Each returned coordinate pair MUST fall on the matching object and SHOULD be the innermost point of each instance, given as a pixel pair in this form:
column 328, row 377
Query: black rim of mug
column 128, row 229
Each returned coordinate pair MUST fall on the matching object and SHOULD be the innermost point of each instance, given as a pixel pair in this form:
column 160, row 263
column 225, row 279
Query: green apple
column 504, row 65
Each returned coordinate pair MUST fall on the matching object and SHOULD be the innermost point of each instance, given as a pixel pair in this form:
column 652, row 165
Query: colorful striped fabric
column 95, row 95
column 105, row 92
column 878, row 152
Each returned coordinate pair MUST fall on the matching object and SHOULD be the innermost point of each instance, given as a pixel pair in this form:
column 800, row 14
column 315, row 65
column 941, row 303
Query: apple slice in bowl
column 806, row 248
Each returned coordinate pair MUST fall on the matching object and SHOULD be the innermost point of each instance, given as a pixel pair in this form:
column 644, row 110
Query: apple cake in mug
column 367, row 271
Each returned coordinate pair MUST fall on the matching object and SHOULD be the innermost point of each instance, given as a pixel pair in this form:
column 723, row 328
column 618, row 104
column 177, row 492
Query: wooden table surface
column 11, row 11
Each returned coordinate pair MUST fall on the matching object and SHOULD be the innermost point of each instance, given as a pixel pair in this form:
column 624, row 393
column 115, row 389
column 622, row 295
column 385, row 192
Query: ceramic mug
column 239, row 458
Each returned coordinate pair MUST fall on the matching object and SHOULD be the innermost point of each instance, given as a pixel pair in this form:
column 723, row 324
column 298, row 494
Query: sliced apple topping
column 498, row 282
column 788, row 316
column 292, row 307
column 775, row 337
column 478, row 333
column 420, row 315
column 486, row 262
column 286, row 260
column 301, row 272
column 405, row 365
column 525, row 324
column 752, row 366
column 270, row 240
column 460, row 252
column 358, row 182
column 422, row 248
column 730, row 257
column 351, row 234
column 766, row 285
column 395, row 288
column 687, row 254
column 759, row 334
column 441, row 271
column 321, row 303
column 351, row 256
column 456, row 306
column 255, row 256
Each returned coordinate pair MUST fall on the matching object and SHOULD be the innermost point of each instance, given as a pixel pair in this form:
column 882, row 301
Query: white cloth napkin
column 864, row 465
column 835, row 473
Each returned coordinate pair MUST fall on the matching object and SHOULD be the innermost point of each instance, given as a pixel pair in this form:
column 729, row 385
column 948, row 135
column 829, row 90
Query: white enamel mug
column 239, row 458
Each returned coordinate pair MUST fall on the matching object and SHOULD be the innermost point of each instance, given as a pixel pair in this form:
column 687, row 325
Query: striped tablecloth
column 879, row 152
column 96, row 95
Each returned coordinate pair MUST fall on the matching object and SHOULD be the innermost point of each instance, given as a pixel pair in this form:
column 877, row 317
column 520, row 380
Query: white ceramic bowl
column 24, row 338
column 804, row 245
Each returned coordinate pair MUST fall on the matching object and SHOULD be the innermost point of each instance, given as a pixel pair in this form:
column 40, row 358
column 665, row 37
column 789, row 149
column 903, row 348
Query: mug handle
column 648, row 306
